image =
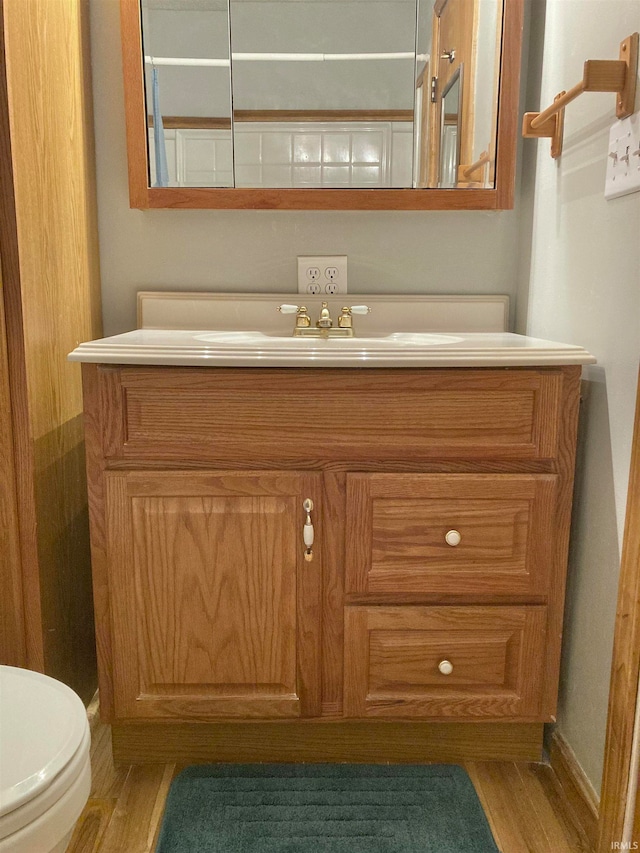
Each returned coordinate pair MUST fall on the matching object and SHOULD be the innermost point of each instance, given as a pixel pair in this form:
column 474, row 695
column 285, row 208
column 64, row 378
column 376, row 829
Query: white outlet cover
column 623, row 158
column 323, row 263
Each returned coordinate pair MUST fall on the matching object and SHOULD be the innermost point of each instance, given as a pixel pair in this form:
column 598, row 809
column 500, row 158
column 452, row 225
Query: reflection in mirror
column 469, row 33
column 466, row 32
column 321, row 93
column 188, row 92
column 323, row 96
column 451, row 130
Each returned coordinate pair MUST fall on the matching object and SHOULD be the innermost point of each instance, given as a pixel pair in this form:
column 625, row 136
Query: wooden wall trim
column 575, row 785
column 323, row 115
column 277, row 116
column 625, row 668
column 192, row 122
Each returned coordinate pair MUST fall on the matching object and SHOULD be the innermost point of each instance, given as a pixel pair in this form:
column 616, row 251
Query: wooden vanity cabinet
column 442, row 502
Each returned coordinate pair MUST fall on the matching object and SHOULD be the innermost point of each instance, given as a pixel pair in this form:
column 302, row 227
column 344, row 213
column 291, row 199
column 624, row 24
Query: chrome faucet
column 324, row 327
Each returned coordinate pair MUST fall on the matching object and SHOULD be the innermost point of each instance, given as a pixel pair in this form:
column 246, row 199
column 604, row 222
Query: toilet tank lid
column 42, row 723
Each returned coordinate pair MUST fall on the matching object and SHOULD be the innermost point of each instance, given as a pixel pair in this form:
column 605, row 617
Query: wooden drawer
column 392, row 658
column 256, row 417
column 397, row 527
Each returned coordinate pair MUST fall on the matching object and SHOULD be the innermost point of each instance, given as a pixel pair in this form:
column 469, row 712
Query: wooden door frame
column 13, row 649
column 30, row 645
column 625, row 667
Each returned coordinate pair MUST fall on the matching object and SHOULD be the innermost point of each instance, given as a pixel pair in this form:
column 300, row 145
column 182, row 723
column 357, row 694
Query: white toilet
column 45, row 773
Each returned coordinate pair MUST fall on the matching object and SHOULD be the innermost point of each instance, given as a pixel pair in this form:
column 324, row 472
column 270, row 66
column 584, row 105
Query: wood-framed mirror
column 232, row 104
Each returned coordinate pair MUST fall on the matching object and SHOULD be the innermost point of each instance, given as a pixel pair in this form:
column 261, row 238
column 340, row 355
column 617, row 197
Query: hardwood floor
column 524, row 803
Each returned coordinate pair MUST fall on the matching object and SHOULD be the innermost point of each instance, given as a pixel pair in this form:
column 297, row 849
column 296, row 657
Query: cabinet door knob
column 453, row 538
column 307, row 530
column 445, row 667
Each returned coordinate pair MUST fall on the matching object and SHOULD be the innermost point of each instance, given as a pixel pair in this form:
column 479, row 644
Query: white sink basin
column 262, row 341
column 231, row 348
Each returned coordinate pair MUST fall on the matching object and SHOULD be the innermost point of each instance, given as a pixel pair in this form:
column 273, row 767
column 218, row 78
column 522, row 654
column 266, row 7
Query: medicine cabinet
column 314, row 104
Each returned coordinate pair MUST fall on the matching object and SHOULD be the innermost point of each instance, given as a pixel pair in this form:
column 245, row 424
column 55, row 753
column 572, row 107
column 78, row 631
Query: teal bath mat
column 324, row 808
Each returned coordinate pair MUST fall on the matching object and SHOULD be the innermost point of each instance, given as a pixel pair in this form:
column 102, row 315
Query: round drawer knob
column 445, row 667
column 453, row 538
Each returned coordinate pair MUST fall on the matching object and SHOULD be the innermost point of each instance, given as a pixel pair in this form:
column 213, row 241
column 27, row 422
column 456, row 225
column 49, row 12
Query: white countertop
column 208, row 348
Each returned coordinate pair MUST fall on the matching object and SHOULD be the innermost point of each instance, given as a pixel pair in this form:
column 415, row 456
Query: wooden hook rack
column 469, row 172
column 600, row 75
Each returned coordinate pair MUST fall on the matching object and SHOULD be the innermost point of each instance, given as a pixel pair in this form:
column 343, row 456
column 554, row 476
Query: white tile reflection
column 276, row 146
column 368, row 147
column 307, row 147
column 293, row 154
column 336, row 148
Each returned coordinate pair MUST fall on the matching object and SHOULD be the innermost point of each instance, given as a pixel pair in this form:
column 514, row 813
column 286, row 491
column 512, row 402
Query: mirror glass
column 321, row 93
column 450, row 130
column 186, row 55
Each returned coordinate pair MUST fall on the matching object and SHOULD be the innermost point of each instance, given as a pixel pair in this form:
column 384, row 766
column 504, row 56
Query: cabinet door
column 215, row 610
column 445, row 662
column 457, row 534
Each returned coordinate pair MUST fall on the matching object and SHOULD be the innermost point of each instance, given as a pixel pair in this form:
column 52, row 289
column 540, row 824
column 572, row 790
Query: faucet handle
column 344, row 321
column 303, row 320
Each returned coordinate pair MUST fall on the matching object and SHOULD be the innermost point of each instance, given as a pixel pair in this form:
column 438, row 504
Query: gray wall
column 582, row 284
column 389, row 252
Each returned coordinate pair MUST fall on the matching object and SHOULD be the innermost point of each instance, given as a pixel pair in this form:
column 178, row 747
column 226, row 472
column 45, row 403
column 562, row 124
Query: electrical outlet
column 322, row 274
